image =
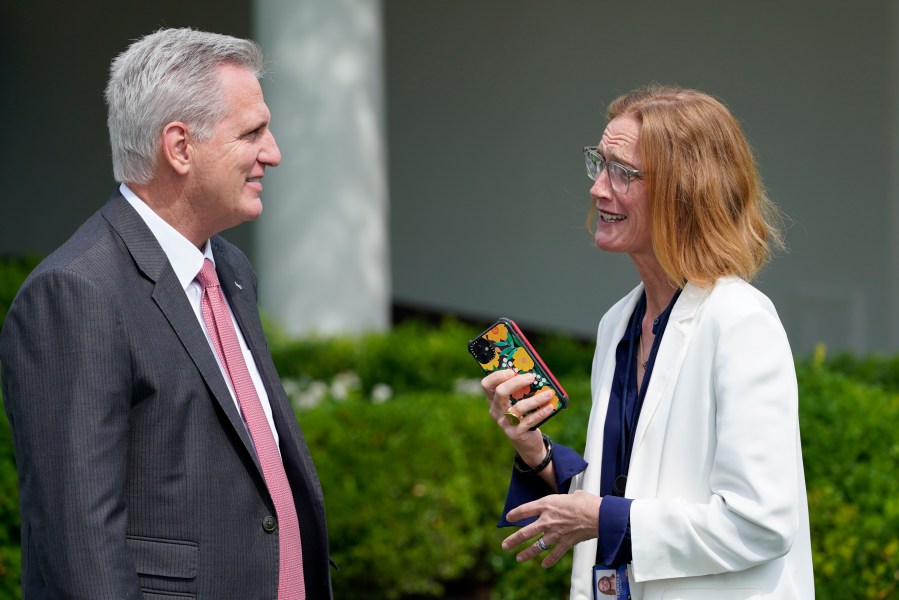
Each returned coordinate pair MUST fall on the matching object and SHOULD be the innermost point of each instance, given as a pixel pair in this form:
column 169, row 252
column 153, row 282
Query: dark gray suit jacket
column 136, row 474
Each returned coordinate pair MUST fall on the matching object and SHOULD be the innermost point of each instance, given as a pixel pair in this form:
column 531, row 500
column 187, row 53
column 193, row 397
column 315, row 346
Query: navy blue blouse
column 614, row 547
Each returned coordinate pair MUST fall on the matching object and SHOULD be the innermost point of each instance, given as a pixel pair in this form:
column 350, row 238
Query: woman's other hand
column 563, row 520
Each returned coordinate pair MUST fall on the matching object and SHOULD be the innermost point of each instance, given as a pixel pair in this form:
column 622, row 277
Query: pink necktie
column 291, row 585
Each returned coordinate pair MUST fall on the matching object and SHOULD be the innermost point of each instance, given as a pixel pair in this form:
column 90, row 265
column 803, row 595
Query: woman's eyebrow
column 613, row 156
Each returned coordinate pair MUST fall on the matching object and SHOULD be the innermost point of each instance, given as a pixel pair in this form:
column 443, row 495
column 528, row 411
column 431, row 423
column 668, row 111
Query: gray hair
column 169, row 75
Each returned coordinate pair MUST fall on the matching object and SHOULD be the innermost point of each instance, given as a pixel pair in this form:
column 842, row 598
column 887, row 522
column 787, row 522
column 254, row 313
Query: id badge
column 610, row 583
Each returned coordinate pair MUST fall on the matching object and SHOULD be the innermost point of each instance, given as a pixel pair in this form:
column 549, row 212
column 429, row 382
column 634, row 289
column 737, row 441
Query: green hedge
column 12, row 273
column 10, row 540
column 414, row 472
column 851, row 451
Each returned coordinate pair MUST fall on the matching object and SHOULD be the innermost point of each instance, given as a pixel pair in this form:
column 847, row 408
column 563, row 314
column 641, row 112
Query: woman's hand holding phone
column 522, row 392
column 504, row 347
column 499, row 387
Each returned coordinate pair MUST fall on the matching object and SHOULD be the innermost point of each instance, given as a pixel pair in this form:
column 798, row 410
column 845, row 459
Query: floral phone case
column 504, row 346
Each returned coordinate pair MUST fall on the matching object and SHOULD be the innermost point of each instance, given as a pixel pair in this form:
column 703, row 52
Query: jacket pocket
column 164, row 558
column 154, row 595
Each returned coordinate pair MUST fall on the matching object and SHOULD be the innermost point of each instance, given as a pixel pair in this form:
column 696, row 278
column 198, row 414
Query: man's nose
column 271, row 154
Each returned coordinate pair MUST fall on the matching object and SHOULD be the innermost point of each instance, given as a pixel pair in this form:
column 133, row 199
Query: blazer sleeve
column 751, row 514
column 67, row 388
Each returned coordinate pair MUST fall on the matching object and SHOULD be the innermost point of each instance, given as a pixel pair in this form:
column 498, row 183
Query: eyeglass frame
column 601, row 163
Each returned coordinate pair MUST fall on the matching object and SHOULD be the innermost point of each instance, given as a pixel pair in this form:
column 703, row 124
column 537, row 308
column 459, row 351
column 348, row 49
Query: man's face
column 230, row 165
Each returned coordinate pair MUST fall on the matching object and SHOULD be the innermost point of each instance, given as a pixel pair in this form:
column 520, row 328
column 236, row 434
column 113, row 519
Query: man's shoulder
column 95, row 251
column 89, row 248
column 79, row 243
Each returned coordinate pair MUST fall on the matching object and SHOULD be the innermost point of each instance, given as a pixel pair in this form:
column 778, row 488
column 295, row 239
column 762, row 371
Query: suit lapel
column 672, row 351
column 169, row 296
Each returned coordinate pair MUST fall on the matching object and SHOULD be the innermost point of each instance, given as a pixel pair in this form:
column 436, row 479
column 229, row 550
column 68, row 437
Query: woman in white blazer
column 691, row 485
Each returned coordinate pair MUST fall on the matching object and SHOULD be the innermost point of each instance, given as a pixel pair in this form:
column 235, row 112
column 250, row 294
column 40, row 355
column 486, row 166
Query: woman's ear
column 177, row 147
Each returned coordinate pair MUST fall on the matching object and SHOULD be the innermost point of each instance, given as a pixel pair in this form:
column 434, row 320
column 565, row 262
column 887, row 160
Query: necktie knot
column 207, row 275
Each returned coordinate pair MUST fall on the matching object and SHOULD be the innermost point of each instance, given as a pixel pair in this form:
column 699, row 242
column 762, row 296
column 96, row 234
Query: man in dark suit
column 158, row 455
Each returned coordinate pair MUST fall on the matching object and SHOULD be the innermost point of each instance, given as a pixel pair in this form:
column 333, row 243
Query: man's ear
column 177, row 147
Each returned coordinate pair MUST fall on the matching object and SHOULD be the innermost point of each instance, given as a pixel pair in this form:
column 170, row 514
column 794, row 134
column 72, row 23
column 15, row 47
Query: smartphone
column 504, row 346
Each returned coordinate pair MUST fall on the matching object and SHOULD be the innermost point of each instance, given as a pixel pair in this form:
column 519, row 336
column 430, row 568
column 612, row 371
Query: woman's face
column 624, row 219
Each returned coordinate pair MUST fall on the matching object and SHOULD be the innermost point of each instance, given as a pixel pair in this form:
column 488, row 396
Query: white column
column 321, row 243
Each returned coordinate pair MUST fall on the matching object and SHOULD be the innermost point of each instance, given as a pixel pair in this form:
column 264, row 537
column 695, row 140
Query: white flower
column 381, row 393
column 310, row 397
column 343, row 384
column 468, row 387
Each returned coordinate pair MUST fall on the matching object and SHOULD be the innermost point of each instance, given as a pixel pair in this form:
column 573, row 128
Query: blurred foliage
column 413, row 357
column 414, row 472
column 13, row 271
column 10, row 535
column 875, row 369
column 415, row 479
column 851, row 450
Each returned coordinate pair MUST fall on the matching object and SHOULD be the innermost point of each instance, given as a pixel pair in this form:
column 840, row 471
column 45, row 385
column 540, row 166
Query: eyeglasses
column 619, row 175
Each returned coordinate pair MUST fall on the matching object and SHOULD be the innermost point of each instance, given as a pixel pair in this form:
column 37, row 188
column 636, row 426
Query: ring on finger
column 512, row 417
column 541, row 545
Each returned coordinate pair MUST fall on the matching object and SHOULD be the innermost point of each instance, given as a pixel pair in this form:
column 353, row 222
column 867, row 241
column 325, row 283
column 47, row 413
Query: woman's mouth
column 607, row 217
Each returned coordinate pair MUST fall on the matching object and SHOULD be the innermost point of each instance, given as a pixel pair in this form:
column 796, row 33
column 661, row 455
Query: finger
column 530, row 551
column 508, row 420
column 521, row 536
column 536, row 409
column 513, row 384
column 557, row 552
column 536, row 401
column 534, row 418
column 530, row 509
column 489, row 383
column 527, row 554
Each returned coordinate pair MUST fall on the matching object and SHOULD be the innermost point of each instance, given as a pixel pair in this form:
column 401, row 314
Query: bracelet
column 524, row 469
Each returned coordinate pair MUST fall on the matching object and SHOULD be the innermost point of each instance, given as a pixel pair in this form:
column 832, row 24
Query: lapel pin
column 240, row 287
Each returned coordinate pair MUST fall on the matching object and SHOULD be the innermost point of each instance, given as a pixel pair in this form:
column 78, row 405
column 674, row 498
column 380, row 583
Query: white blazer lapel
column 611, row 330
column 672, row 351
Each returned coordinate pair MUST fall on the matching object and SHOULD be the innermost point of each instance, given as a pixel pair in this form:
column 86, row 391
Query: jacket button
column 269, row 523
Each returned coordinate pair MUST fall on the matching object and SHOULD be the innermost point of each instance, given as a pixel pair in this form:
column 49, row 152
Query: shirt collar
column 185, row 258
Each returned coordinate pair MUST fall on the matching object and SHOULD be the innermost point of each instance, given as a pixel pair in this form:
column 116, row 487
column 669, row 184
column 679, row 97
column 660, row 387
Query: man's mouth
column 608, row 217
column 254, row 180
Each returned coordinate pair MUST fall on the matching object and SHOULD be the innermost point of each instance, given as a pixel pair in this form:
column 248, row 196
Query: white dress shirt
column 186, row 261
